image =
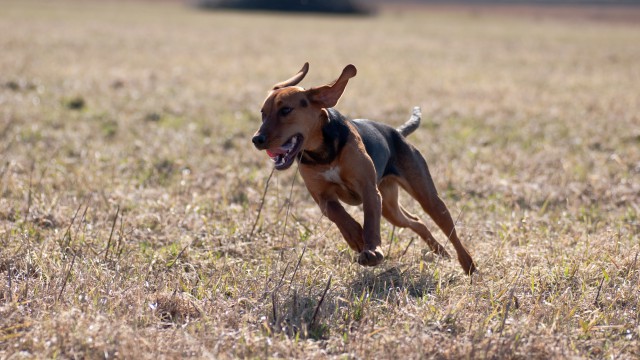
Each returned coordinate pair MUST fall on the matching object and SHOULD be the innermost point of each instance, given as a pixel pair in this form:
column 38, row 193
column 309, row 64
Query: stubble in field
column 129, row 187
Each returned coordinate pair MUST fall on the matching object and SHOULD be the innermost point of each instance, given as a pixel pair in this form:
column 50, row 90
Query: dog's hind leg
column 417, row 181
column 398, row 216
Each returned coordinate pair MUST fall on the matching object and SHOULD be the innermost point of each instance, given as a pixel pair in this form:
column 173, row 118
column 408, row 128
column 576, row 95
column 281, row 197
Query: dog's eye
column 285, row 111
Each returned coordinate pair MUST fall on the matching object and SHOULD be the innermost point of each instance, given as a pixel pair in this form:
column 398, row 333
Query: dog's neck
column 334, row 136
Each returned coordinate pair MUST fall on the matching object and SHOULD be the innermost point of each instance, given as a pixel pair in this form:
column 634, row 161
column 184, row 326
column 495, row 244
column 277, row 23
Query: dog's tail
column 413, row 123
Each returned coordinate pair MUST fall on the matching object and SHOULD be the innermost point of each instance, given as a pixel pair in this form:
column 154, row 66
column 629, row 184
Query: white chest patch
column 333, row 175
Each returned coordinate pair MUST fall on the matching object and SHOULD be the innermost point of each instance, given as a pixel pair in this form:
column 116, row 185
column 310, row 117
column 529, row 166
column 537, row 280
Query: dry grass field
column 130, row 189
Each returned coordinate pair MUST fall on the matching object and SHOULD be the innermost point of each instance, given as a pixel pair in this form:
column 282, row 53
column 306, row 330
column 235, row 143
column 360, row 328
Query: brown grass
column 129, row 187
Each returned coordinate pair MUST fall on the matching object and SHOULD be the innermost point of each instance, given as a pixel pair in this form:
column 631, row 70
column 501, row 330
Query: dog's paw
column 370, row 257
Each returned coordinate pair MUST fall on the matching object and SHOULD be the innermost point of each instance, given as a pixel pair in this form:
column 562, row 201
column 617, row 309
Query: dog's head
column 291, row 115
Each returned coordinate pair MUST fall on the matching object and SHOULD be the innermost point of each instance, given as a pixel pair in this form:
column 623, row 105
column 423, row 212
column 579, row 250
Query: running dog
column 353, row 161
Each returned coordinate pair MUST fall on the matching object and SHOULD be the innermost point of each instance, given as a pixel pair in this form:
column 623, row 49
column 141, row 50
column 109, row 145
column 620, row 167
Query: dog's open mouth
column 284, row 155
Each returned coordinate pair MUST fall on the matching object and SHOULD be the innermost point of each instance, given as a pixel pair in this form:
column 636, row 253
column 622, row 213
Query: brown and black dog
column 353, row 161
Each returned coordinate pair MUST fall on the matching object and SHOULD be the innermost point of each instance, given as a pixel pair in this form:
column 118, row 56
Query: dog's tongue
column 275, row 152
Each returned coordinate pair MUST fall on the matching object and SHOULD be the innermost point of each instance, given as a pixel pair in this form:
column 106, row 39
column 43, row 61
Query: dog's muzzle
column 259, row 141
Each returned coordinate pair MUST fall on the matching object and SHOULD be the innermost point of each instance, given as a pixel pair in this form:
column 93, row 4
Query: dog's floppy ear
column 328, row 95
column 295, row 79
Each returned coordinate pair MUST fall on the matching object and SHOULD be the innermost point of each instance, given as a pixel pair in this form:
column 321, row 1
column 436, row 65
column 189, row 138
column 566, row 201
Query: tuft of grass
column 74, row 103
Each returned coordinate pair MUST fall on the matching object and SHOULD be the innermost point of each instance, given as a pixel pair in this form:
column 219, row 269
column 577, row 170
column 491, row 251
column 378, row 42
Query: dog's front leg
column 349, row 228
column 372, row 254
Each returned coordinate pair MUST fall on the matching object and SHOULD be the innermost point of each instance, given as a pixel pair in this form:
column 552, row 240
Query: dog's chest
column 339, row 187
column 332, row 175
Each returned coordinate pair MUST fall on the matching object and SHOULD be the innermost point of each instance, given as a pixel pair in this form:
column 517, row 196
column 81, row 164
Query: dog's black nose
column 258, row 140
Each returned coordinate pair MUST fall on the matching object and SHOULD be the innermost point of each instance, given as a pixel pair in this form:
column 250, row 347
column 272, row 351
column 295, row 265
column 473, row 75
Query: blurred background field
column 129, row 187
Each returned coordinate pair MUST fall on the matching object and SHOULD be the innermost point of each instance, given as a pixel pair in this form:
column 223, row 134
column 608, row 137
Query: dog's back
column 382, row 142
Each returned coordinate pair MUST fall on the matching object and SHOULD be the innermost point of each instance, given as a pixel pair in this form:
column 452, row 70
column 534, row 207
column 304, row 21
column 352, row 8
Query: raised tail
column 413, row 123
